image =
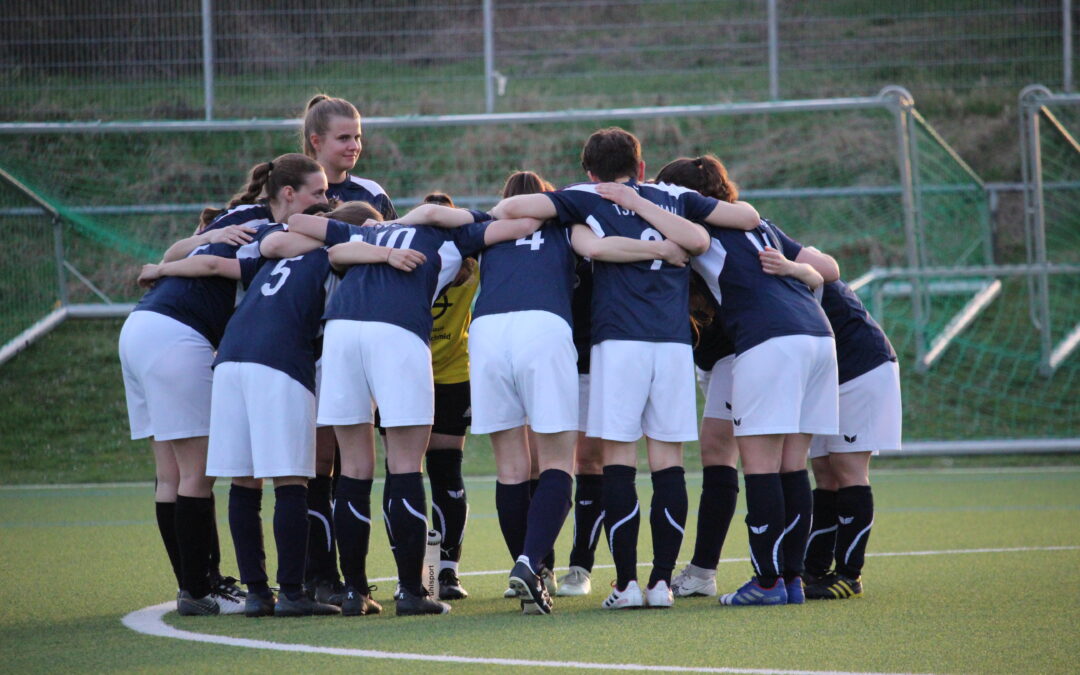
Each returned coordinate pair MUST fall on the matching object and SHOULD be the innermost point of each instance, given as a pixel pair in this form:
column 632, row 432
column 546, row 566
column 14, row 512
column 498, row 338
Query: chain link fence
column 224, row 59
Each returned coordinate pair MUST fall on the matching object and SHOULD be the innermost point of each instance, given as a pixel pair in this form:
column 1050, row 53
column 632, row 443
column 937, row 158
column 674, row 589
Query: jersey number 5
column 281, row 271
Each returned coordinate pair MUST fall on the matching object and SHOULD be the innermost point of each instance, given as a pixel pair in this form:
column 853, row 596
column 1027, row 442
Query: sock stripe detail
column 595, row 529
column 410, row 509
column 326, row 527
column 673, row 523
column 358, row 515
column 780, row 540
column 854, row 542
column 616, row 526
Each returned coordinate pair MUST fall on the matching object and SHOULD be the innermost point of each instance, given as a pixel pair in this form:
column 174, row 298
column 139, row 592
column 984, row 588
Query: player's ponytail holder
column 269, row 167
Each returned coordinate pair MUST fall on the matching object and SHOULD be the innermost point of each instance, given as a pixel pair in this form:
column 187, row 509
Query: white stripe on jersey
column 369, row 185
column 594, row 225
column 581, row 187
column 709, row 265
column 673, row 190
column 451, row 264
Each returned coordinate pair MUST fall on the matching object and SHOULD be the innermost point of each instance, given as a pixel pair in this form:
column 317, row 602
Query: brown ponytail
column 265, row 180
column 706, row 174
column 525, row 183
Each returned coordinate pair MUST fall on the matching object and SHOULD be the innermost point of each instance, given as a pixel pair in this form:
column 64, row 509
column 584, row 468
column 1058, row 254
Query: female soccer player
column 166, row 350
column 640, row 315
column 331, row 136
column 870, row 420
column 783, row 378
column 378, row 324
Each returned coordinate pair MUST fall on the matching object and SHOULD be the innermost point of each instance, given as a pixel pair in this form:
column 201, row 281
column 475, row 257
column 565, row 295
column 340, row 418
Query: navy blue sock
column 449, row 503
column 213, row 541
column 352, row 520
column 166, row 520
column 588, row 519
column 765, row 524
column 798, row 512
column 409, row 523
column 245, row 522
column 291, row 535
column 321, row 549
column 549, row 559
column 622, row 517
column 667, row 520
column 719, row 493
column 194, row 516
column 512, row 505
column 386, row 506
column 547, row 512
column 822, row 540
column 855, row 515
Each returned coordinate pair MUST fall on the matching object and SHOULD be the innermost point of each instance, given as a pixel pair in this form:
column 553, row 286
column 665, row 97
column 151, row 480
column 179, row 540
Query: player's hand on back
column 149, row 274
column 774, row 262
column 620, row 193
column 405, row 259
column 237, row 235
column 674, row 254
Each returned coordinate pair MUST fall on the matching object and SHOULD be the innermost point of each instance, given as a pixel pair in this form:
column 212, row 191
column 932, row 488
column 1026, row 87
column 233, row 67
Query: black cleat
column 530, row 588
column 227, row 586
column 303, row 606
column 450, row 586
column 256, row 605
column 835, row 587
column 410, row 604
column 326, row 592
column 355, row 603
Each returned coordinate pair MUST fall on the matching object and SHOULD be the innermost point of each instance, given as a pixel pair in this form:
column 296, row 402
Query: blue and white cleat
column 752, row 593
column 795, row 592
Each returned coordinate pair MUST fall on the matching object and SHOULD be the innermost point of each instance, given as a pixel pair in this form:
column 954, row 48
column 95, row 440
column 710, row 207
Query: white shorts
column 716, row 384
column 262, row 424
column 365, row 361
column 870, row 414
column 583, row 402
column 167, row 377
column 523, row 370
column 786, row 385
column 642, row 388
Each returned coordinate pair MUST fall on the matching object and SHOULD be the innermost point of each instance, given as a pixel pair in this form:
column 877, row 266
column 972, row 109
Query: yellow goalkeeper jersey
column 451, row 315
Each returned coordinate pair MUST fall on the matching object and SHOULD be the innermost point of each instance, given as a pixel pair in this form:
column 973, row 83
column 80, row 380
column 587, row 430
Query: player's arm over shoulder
column 734, row 215
column 537, row 206
column 282, row 244
column 194, row 266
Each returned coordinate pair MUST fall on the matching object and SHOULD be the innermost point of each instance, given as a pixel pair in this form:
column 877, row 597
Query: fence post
column 208, row 58
column 489, row 57
column 774, row 52
column 58, row 253
column 1067, row 46
column 1035, row 217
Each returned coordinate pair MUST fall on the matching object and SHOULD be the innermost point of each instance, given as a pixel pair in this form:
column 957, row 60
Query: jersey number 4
column 533, row 241
column 279, row 274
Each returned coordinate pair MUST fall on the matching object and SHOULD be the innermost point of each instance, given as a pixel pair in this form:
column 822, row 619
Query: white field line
column 952, row 471
column 149, row 621
column 888, row 554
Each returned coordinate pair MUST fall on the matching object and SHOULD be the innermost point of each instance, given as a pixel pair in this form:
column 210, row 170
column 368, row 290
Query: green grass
column 97, row 552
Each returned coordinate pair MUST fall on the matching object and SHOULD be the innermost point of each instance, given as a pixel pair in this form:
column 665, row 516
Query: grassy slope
column 936, row 613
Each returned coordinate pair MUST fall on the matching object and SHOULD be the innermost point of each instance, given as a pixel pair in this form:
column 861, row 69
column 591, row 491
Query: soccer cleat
column 228, row 586
column 450, row 586
column 355, row 603
column 326, row 592
column 575, row 582
column 189, row 606
column 410, row 604
column 693, row 582
column 795, row 591
column 530, row 588
column 753, row 593
column 659, row 595
column 257, row 604
column 510, row 593
column 550, row 583
column 835, row 587
column 628, row 598
column 303, row 606
column 229, row 603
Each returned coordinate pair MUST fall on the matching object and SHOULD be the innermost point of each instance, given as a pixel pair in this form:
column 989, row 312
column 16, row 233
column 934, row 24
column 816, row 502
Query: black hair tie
column 269, row 167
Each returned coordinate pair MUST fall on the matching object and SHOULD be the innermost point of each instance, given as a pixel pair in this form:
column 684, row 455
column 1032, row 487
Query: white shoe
column 549, row 581
column 510, row 593
column 575, row 582
column 228, row 603
column 694, row 581
column 659, row 595
column 628, row 598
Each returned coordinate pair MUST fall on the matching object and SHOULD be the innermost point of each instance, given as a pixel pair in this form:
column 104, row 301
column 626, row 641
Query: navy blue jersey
column 252, row 215
column 647, row 301
column 861, row 345
column 531, row 273
column 356, row 189
column 581, row 309
column 757, row 306
column 279, row 321
column 204, row 303
column 381, row 293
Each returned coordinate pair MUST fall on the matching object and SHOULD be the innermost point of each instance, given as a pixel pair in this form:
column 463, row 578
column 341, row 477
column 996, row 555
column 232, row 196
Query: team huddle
column 567, row 324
